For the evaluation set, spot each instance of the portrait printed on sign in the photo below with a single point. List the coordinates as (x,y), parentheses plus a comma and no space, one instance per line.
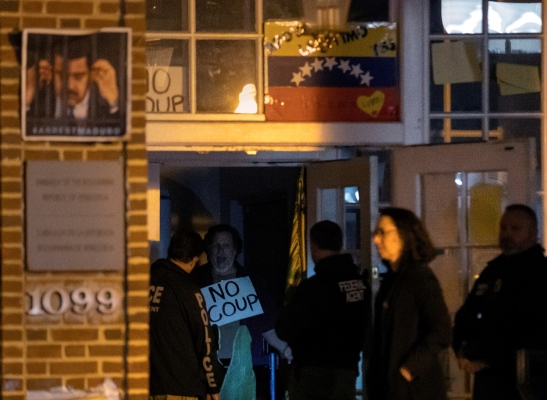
(231,300)
(75,86)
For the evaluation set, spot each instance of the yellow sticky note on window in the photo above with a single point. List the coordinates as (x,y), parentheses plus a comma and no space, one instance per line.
(455,62)
(517,78)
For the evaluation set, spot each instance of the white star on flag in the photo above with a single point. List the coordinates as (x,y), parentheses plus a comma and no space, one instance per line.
(330,63)
(356,70)
(365,79)
(317,65)
(344,65)
(306,70)
(297,78)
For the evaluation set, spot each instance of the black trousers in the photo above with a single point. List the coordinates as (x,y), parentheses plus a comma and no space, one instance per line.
(495,384)
(322,383)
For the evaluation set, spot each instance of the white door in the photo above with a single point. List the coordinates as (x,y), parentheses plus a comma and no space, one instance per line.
(460,191)
(346,191)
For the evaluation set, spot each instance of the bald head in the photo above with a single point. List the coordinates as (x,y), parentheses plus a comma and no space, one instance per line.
(518,229)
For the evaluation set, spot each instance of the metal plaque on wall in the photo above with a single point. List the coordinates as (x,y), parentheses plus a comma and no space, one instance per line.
(75,216)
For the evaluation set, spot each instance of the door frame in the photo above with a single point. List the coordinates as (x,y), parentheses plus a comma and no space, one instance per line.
(411,164)
(339,174)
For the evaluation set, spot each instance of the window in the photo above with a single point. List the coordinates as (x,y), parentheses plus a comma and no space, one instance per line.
(205,58)
(485,70)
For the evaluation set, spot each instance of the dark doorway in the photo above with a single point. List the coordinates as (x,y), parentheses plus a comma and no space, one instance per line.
(265,196)
(257,201)
(267,240)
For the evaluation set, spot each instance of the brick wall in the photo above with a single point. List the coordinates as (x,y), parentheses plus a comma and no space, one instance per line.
(38,353)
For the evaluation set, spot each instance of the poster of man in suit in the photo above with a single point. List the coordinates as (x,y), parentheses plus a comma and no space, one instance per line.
(76,85)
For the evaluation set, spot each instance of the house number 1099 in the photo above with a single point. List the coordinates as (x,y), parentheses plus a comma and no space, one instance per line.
(57,301)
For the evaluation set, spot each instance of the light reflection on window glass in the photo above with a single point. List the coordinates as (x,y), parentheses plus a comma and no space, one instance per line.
(352,219)
(515,46)
(465,16)
(351,195)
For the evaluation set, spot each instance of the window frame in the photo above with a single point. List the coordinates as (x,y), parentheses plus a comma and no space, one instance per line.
(484,37)
(232,132)
(192,36)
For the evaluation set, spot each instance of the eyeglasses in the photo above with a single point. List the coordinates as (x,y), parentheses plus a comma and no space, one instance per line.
(380,232)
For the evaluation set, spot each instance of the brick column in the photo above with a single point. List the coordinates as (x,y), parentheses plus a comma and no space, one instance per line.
(38,354)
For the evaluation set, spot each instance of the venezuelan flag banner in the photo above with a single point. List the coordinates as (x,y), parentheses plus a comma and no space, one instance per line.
(349,76)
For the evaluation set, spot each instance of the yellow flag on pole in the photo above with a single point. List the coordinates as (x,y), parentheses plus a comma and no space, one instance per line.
(297,256)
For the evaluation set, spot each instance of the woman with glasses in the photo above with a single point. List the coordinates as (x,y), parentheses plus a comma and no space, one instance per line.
(411,320)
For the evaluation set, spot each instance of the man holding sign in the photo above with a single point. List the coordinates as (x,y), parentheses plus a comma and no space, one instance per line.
(326,320)
(242,301)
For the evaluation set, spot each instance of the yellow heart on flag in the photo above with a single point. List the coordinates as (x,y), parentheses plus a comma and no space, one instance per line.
(372,105)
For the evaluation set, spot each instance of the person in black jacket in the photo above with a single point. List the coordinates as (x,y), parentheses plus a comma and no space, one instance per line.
(183,359)
(506,310)
(325,321)
(411,321)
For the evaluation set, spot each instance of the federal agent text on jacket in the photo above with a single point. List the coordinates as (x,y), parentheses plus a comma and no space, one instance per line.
(326,320)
